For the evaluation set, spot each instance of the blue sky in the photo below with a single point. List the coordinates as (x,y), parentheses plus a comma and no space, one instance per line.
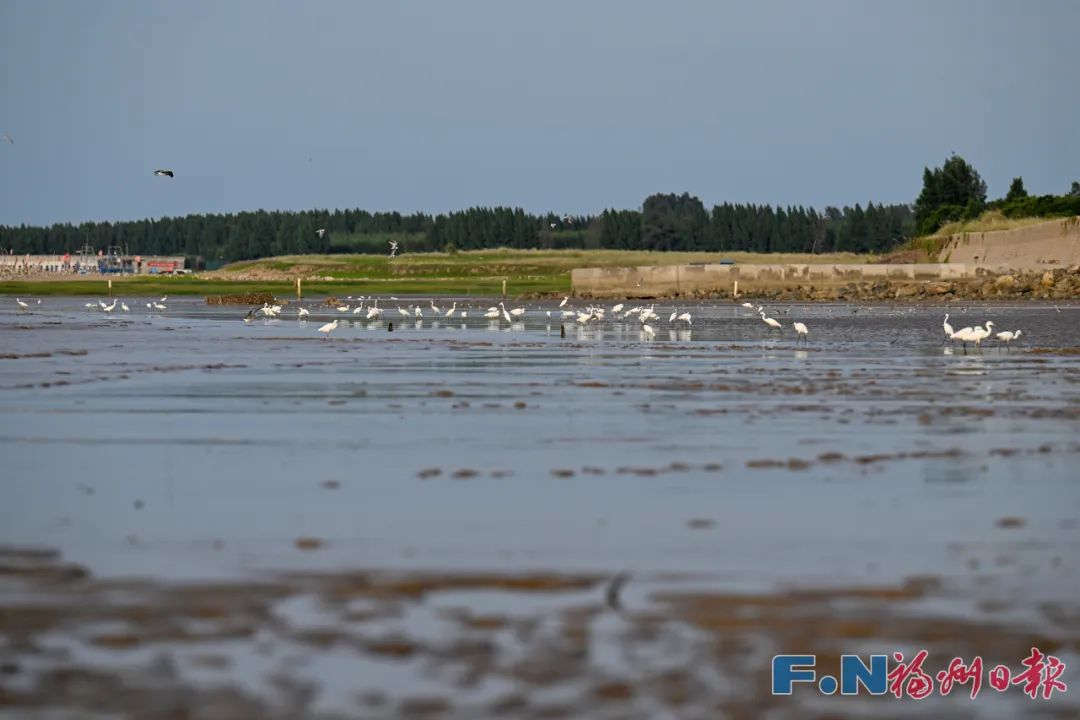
(555,105)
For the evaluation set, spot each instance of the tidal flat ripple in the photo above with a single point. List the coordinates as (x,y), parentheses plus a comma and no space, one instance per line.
(210,519)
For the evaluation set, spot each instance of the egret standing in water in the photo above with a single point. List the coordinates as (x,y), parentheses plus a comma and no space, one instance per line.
(771,322)
(1008,336)
(329,328)
(947,328)
(802,330)
(22,305)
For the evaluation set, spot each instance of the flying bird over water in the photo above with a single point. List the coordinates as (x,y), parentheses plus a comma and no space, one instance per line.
(163,173)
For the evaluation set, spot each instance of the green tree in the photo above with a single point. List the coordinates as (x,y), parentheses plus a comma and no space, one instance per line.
(1075,191)
(956,184)
(1016,190)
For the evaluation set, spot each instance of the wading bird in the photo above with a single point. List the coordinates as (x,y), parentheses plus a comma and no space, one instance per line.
(947,327)
(452,310)
(771,322)
(21,304)
(685,317)
(1008,336)
(110,308)
(163,173)
(302,313)
(617,308)
(159,306)
(564,301)
(250,315)
(124,307)
(802,330)
(329,328)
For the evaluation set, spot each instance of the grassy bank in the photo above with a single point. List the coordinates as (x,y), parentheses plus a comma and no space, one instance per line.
(466,273)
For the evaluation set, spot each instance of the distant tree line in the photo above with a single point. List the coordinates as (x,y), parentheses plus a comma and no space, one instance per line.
(956,191)
(665,222)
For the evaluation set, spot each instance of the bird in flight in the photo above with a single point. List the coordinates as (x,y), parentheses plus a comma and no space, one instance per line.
(8,138)
(163,173)
(393,248)
(320,232)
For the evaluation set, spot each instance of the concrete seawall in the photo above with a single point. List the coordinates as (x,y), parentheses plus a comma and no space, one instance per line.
(1051,245)
(659,280)
(1055,243)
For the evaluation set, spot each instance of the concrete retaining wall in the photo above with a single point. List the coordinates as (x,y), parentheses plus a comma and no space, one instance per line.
(677,279)
(1055,243)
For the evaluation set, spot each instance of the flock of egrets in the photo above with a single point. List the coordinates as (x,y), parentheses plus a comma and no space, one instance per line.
(646,316)
(592,314)
(977,334)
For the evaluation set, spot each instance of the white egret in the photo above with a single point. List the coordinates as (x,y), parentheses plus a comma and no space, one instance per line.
(617,308)
(517,312)
(464,314)
(802,330)
(492,313)
(748,305)
(374,311)
(980,333)
(452,310)
(564,301)
(947,327)
(358,309)
(685,317)
(164,298)
(124,307)
(402,312)
(343,308)
(434,307)
(302,313)
(674,314)
(159,306)
(22,305)
(649,331)
(329,327)
(1008,336)
(419,313)
(505,313)
(771,322)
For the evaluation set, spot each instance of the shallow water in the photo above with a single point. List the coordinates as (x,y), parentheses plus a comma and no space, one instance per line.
(717,464)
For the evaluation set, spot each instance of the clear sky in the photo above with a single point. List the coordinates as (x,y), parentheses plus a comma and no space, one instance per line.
(562,105)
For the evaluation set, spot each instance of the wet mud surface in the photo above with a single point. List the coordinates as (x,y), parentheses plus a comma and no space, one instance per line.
(201,518)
